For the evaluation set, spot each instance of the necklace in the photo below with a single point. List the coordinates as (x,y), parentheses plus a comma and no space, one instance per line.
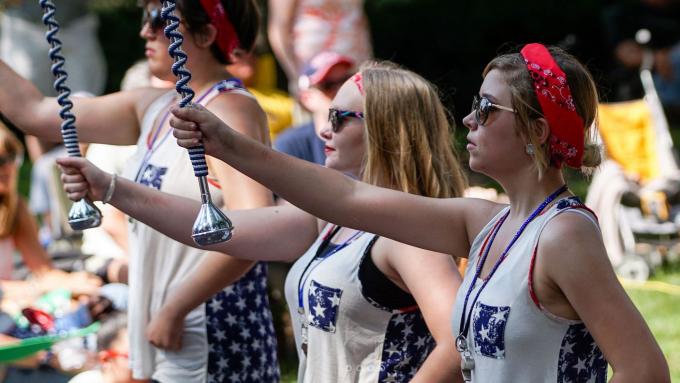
(468,362)
(325,246)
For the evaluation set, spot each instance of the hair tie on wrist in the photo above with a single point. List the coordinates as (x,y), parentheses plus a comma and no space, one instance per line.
(110,190)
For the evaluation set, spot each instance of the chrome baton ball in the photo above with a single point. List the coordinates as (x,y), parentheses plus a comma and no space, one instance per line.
(211,225)
(83,214)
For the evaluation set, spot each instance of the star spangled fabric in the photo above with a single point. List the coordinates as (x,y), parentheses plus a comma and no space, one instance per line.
(580,358)
(241,338)
(512,337)
(406,346)
(352,339)
(489,327)
(324,302)
(152,176)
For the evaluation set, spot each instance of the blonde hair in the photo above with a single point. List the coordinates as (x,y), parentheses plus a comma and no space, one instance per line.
(9,202)
(528,109)
(409,137)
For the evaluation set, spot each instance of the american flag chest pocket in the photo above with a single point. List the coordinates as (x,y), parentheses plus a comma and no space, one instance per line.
(489,329)
(324,303)
(152,176)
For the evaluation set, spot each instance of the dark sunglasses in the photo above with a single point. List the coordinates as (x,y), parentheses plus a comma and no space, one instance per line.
(482,107)
(337,118)
(154,18)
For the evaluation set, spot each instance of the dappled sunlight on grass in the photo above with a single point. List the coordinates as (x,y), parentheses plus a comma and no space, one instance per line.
(662,313)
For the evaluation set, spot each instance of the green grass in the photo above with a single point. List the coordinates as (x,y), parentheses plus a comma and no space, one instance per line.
(662,313)
(289,376)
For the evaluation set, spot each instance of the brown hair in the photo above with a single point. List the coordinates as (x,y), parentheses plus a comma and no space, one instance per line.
(9,202)
(409,137)
(528,109)
(244,15)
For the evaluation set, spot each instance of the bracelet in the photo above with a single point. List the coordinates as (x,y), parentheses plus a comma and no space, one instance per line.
(110,190)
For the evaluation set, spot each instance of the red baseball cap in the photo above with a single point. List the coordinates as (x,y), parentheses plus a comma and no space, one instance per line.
(316,69)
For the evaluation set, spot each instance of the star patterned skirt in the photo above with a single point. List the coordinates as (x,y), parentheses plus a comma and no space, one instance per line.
(241,337)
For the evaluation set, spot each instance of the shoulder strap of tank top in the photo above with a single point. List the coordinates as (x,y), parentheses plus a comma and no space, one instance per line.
(479,243)
(327,230)
(232,85)
(570,204)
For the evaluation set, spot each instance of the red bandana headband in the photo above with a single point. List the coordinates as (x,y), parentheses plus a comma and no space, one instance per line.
(227,39)
(554,96)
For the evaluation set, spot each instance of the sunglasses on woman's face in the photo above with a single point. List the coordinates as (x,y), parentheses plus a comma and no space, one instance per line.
(337,118)
(154,18)
(482,107)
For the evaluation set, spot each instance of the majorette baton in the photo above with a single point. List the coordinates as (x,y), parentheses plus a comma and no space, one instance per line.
(83,214)
(211,225)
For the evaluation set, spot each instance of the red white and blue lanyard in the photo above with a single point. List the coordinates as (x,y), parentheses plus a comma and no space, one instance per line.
(319,251)
(466,319)
(151,149)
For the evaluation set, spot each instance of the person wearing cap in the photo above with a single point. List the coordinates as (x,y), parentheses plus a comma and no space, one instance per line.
(298,30)
(321,78)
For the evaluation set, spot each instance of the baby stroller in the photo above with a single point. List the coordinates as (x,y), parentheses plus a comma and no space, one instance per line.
(636,192)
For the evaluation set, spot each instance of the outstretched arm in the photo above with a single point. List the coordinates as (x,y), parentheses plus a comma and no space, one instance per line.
(443,225)
(288,230)
(112,119)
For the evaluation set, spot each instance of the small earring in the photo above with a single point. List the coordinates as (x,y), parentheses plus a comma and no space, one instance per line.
(530,149)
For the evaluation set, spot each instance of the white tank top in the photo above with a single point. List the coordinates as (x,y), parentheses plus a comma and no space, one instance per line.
(350,338)
(512,338)
(159,264)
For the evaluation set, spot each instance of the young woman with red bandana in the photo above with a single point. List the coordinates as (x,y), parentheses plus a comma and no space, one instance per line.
(540,301)
(214,341)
